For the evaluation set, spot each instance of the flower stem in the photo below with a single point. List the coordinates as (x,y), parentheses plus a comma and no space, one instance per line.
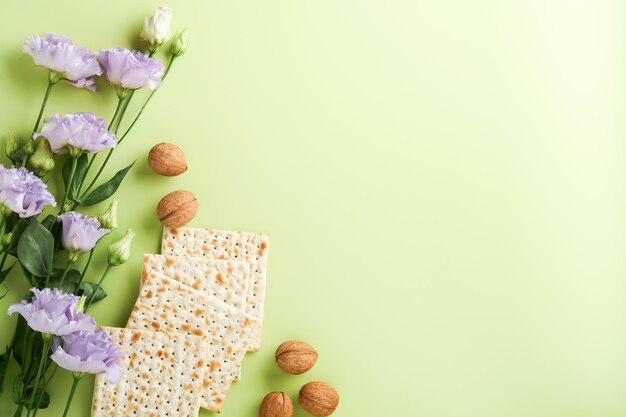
(93,158)
(71,397)
(43,106)
(82,276)
(106,160)
(169,65)
(47,339)
(93,295)
(18,412)
(117,110)
(68,186)
(65,271)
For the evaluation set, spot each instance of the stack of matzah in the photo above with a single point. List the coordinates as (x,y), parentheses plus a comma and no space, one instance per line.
(199,311)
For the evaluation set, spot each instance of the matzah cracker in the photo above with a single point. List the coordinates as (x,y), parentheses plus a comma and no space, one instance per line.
(165,304)
(160,376)
(218,244)
(225,280)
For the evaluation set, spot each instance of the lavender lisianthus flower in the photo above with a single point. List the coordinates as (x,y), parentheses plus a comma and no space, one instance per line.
(83,131)
(22,192)
(57,53)
(80,233)
(53,312)
(88,353)
(130,69)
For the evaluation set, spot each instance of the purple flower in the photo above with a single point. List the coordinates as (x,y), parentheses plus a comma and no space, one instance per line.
(130,69)
(23,192)
(57,53)
(53,312)
(88,352)
(82,131)
(80,233)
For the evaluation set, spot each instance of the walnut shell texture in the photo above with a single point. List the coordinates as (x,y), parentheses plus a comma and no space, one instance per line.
(295,357)
(167,159)
(276,404)
(319,398)
(177,208)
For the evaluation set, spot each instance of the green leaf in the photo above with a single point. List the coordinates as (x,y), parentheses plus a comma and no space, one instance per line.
(87,289)
(22,333)
(49,221)
(79,174)
(36,249)
(70,283)
(4,363)
(42,399)
(17,226)
(3,274)
(107,189)
(17,389)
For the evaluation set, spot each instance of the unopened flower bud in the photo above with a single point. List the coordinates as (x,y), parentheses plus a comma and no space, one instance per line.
(180,43)
(41,161)
(108,219)
(11,146)
(119,252)
(156,28)
(29,147)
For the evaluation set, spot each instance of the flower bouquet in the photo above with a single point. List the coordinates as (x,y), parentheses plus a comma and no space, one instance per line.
(45,236)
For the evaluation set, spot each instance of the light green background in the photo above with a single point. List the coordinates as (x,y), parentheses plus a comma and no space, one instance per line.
(444,183)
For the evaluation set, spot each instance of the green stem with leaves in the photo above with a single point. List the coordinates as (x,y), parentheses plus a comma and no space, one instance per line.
(167,69)
(106,160)
(111,124)
(132,124)
(47,340)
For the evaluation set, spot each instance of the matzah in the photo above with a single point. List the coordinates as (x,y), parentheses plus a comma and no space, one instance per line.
(160,376)
(225,280)
(165,304)
(218,244)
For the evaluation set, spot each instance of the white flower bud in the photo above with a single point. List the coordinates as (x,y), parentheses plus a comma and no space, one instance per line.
(156,28)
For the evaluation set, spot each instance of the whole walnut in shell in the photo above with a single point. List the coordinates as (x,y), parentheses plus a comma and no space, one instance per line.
(167,159)
(295,357)
(318,398)
(177,208)
(276,404)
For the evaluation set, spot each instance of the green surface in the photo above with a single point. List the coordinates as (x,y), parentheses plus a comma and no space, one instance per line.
(443,182)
